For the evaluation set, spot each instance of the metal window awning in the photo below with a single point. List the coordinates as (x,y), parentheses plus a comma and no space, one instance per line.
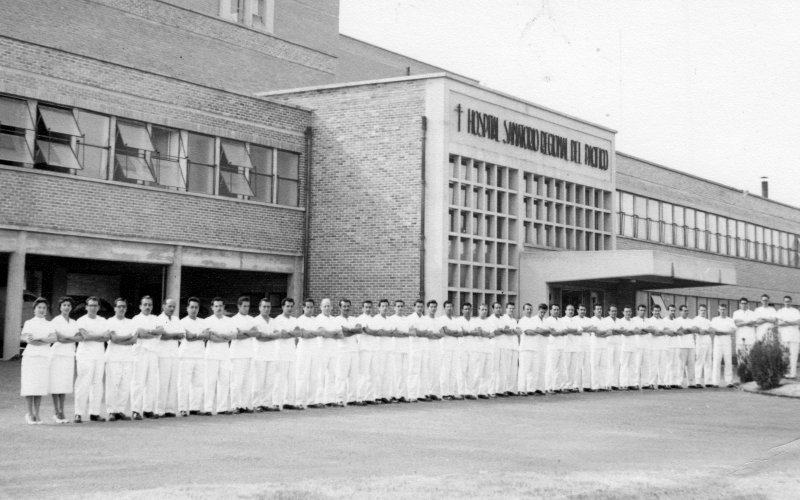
(14,148)
(235,154)
(235,183)
(134,168)
(645,269)
(135,136)
(15,113)
(59,121)
(56,154)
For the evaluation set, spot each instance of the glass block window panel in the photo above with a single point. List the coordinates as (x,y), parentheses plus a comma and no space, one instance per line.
(59,121)
(56,154)
(14,148)
(133,168)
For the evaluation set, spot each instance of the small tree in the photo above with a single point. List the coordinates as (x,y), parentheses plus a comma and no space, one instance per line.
(767,361)
(744,369)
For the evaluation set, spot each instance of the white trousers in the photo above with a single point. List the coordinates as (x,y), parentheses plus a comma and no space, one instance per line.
(118,386)
(723,352)
(309,382)
(587,371)
(434,371)
(368,375)
(649,367)
(414,374)
(424,373)
(703,363)
(89,386)
(630,368)
(601,367)
(574,361)
(390,368)
(506,369)
(532,373)
(685,366)
(615,364)
(401,375)
(285,386)
(558,370)
(167,401)
(347,377)
(477,375)
(451,374)
(218,385)
(794,349)
(265,375)
(665,365)
(326,390)
(191,378)
(144,389)
(242,382)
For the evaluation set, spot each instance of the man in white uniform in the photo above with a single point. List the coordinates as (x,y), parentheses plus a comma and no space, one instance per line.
(471,352)
(241,351)
(167,401)
(119,362)
(686,350)
(329,332)
(220,331)
(90,357)
(601,366)
(191,371)
(388,360)
(534,337)
(435,338)
(508,354)
(745,321)
(265,360)
(789,329)
(613,329)
(285,331)
(417,346)
(402,352)
(723,328)
(654,325)
(450,378)
(378,327)
(557,379)
(308,361)
(347,369)
(701,326)
(367,347)
(766,318)
(664,352)
(573,349)
(635,342)
(587,328)
(144,389)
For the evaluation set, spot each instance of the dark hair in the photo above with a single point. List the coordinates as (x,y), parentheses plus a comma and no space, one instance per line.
(511,304)
(69,300)
(743,299)
(287,300)
(683,308)
(264,300)
(308,301)
(428,304)
(702,305)
(92,298)
(192,299)
(120,299)
(41,300)
(366,302)
(143,298)
(217,299)
(543,307)
(399,301)
(383,301)
(343,302)
(419,301)
(496,304)
(764,295)
(466,304)
(444,304)
(241,300)
(787,297)
(641,306)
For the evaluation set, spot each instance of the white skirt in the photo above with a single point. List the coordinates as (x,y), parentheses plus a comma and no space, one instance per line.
(62,374)
(35,380)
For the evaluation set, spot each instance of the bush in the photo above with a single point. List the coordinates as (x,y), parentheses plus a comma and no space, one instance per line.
(742,362)
(767,363)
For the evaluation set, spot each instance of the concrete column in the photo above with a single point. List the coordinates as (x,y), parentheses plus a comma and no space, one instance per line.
(14,290)
(294,285)
(174,275)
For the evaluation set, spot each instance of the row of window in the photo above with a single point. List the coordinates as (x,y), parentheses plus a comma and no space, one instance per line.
(479,172)
(88,144)
(661,222)
(257,14)
(567,192)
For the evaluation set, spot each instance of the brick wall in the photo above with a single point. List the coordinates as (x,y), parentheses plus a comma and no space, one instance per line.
(641,177)
(168,40)
(366,194)
(35,199)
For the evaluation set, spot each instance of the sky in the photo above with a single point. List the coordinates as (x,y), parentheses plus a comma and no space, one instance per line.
(711,88)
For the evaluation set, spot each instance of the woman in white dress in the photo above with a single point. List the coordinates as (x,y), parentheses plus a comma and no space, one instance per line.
(62,362)
(38,333)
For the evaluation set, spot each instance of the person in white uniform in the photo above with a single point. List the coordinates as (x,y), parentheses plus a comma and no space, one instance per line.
(377,328)
(613,329)
(168,365)
(508,353)
(417,346)
(367,347)
(347,369)
(701,326)
(573,349)
(307,367)
(388,357)
(557,357)
(686,350)
(144,389)
(242,350)
(220,331)
(789,329)
(745,321)
(675,371)
(428,330)
(654,325)
(191,366)
(470,352)
(435,338)
(664,353)
(90,358)
(534,337)
(119,361)
(265,360)
(766,318)
(601,356)
(450,375)
(723,328)
(329,332)
(38,334)
(62,361)
(285,331)
(402,351)
(634,342)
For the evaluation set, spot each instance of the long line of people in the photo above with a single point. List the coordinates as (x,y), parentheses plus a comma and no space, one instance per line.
(157,366)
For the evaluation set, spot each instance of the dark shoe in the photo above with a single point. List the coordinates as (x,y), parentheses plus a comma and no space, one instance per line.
(730,386)
(149,414)
(483,396)
(357,403)
(122,416)
(206,414)
(96,418)
(471,397)
(78,419)
(169,415)
(501,395)
(458,398)
(136,415)
(194,412)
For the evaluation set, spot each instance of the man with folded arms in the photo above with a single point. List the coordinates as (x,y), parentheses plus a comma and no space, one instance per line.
(788,321)
(378,327)
(369,375)
(191,371)
(144,389)
(428,329)
(418,345)
(329,332)
(573,349)
(613,329)
(402,351)
(167,401)
(534,337)
(90,357)
(241,351)
(265,360)
(722,328)
(686,349)
(701,326)
(507,349)
(308,365)
(285,331)
(450,375)
(766,318)
(745,321)
(653,328)
(664,351)
(347,369)
(557,379)
(601,360)
(119,361)
(634,331)
(220,330)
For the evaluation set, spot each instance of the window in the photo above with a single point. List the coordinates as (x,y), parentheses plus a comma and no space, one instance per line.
(654,220)
(234,168)
(741,240)
(722,229)
(669,229)
(15,120)
(288,172)
(167,158)
(261,177)
(680,226)
(133,144)
(93,147)
(200,165)
(712,233)
(640,211)
(56,136)
(702,235)
(626,211)
(690,229)
(252,13)
(751,241)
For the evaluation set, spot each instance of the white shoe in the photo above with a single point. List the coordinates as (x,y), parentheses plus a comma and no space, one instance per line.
(29,419)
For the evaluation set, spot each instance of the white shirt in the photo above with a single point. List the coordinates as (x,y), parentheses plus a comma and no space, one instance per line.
(427,324)
(218,350)
(609,324)
(39,329)
(647,341)
(573,342)
(308,324)
(508,341)
(67,327)
(91,350)
(265,350)
(765,313)
(685,340)
(630,343)
(192,349)
(703,339)
(169,348)
(600,324)
(149,322)
(286,347)
(666,341)
(534,342)
(371,342)
(555,325)
(349,343)
(401,324)
(474,343)
(243,348)
(721,324)
(417,343)
(327,345)
(748,333)
(123,328)
(789,333)
(448,342)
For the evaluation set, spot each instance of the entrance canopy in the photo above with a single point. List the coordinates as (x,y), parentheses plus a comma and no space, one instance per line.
(643,269)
